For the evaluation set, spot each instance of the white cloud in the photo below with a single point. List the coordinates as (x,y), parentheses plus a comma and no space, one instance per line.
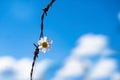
(90,45)
(116,76)
(103,69)
(72,68)
(6,62)
(107,52)
(22,67)
(78,62)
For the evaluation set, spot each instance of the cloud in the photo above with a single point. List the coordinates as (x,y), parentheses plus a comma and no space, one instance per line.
(79,64)
(116,76)
(20,69)
(103,69)
(91,45)
(72,68)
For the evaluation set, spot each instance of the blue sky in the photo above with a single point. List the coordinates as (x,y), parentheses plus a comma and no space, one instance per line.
(66,24)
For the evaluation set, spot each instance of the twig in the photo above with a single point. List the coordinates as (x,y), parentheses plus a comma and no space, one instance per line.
(36,52)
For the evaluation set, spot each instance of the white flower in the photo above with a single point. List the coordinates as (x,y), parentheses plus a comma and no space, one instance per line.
(44,44)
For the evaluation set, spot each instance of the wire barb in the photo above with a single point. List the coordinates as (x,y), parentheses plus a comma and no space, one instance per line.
(45,10)
(36,52)
(47,7)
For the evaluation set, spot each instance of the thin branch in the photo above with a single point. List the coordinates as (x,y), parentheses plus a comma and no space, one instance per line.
(36,52)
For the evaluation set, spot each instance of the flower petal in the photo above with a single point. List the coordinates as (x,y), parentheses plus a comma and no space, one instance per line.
(45,38)
(50,41)
(41,40)
(44,50)
(40,47)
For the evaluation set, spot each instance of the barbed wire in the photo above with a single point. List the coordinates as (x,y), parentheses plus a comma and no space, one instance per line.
(45,10)
(36,52)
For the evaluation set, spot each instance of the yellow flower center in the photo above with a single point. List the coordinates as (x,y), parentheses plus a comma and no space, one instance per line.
(44,44)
